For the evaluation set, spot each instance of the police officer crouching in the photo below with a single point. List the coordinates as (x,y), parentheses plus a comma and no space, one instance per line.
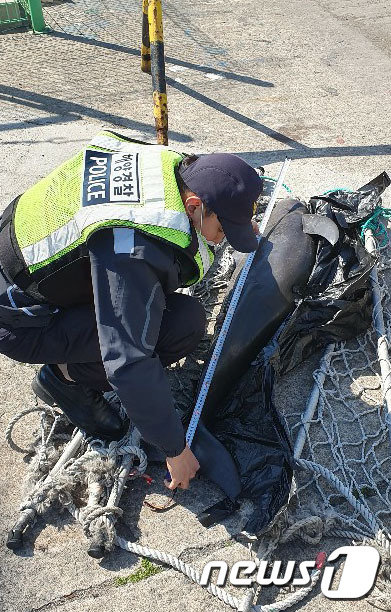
(90,259)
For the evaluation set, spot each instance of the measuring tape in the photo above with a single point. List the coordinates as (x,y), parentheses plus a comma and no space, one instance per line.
(230,313)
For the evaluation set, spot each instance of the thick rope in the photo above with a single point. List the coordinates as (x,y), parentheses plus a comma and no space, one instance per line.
(16,419)
(293,598)
(310,529)
(94,518)
(382,537)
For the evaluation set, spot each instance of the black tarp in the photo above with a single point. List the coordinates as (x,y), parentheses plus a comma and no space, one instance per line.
(334,304)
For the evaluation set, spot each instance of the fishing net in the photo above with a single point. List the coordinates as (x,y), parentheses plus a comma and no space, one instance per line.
(348,432)
(342,485)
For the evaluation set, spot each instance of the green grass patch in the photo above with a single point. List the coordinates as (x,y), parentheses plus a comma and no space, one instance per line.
(365,492)
(146,570)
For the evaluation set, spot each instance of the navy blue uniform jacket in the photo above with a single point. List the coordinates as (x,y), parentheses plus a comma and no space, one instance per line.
(131,275)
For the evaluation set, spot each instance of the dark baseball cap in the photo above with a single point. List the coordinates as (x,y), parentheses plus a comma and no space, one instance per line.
(228,186)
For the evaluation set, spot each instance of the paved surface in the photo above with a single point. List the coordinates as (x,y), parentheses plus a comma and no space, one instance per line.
(309,79)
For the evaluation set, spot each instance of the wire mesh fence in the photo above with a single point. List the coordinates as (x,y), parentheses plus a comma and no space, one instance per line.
(22,13)
(12,15)
(120,23)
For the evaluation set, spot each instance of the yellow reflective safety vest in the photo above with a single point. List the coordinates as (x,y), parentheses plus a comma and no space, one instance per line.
(113,182)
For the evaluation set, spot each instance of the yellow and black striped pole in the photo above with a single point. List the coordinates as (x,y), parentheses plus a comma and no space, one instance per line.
(145,44)
(154,62)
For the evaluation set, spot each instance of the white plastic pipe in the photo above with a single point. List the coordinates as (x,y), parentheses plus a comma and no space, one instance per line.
(379,327)
(70,450)
(312,402)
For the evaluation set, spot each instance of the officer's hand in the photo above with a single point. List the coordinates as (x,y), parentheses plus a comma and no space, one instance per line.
(182,469)
(255,227)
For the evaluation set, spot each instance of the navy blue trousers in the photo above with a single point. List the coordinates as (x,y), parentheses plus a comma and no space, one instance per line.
(72,338)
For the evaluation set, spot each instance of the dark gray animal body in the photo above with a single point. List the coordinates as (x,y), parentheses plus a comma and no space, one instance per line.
(282,264)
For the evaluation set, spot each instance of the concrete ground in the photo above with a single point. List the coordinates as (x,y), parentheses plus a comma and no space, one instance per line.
(309,79)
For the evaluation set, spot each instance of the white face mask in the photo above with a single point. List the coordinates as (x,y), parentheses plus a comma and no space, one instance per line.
(209,242)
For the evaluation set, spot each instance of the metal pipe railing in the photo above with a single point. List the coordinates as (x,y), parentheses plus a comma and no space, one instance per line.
(153,62)
(380,330)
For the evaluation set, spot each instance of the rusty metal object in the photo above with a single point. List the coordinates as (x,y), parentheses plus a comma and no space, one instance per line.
(145,43)
(155,18)
(160,112)
(170,503)
(152,61)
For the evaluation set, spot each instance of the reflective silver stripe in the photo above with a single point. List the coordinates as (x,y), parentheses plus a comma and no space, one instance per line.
(113,144)
(27,311)
(52,244)
(110,142)
(11,299)
(171,219)
(69,233)
(152,183)
(14,306)
(204,252)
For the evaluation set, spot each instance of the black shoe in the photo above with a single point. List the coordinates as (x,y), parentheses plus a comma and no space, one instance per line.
(84,407)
